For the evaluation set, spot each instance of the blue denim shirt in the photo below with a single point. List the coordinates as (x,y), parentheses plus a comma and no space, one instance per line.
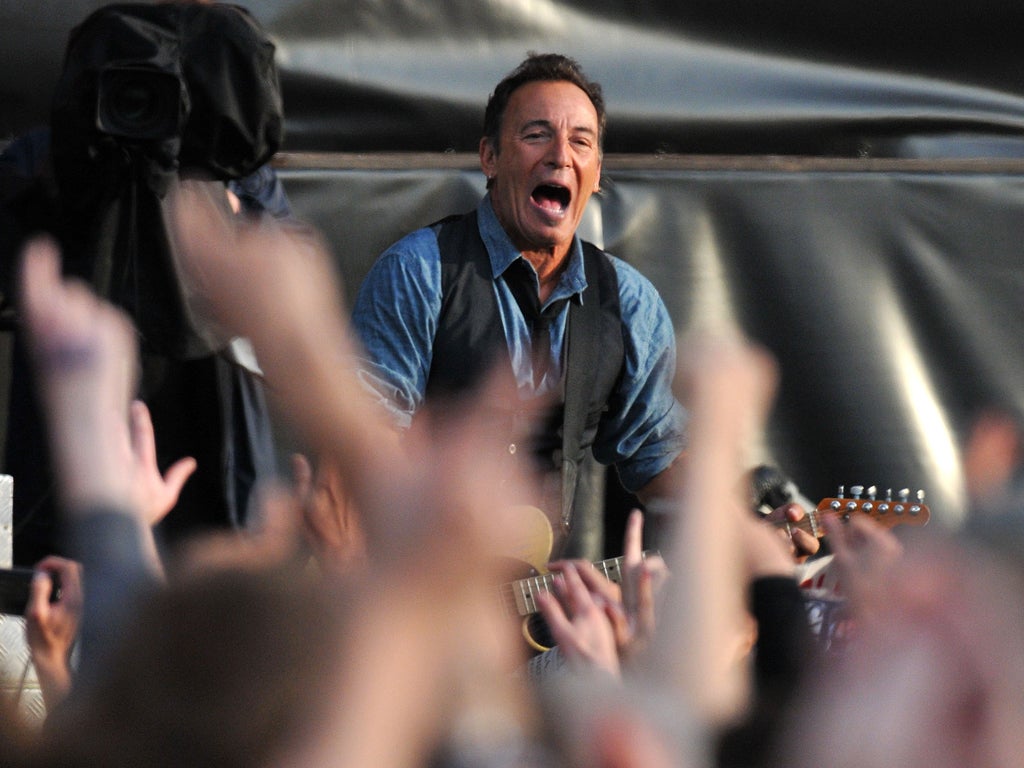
(396,317)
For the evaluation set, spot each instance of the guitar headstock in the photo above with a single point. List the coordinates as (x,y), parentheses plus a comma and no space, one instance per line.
(882,508)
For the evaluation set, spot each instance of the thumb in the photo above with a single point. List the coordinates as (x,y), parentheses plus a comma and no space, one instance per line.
(39,593)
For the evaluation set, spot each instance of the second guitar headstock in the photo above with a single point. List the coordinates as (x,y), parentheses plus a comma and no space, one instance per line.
(884,508)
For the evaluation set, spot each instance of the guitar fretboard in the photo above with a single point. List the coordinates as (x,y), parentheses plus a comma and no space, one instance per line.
(519,597)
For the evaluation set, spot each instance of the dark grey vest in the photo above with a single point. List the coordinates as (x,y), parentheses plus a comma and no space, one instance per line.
(470,340)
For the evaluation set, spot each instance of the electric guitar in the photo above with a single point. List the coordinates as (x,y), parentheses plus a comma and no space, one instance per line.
(519,596)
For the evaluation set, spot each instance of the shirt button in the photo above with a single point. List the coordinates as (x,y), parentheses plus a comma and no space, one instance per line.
(511,447)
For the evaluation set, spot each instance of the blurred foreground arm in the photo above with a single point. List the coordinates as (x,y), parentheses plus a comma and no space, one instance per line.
(85,359)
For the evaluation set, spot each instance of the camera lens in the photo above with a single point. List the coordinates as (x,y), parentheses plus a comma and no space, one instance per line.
(139,103)
(136,104)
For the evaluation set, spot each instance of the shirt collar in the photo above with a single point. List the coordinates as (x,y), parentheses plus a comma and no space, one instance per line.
(502,253)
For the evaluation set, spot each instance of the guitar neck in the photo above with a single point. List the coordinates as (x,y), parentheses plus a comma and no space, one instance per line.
(519,597)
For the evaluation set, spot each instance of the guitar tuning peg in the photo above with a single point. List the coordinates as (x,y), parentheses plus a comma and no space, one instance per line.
(904,494)
(872,492)
(840,493)
(856,490)
(888,494)
(920,496)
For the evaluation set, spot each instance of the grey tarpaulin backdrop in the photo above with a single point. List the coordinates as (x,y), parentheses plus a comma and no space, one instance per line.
(850,77)
(890,291)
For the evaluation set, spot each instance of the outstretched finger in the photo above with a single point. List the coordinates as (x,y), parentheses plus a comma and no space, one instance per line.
(175,478)
(573,590)
(632,559)
(143,436)
(157,494)
(40,589)
(40,279)
(644,617)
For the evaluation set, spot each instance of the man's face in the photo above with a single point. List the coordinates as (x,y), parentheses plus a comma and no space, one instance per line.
(548,164)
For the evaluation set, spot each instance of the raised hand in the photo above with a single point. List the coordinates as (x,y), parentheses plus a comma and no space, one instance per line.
(155,493)
(728,386)
(331,522)
(865,556)
(642,581)
(85,356)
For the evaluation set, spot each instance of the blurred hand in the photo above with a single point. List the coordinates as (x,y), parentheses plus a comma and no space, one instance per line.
(582,620)
(802,543)
(51,627)
(865,554)
(85,357)
(155,494)
(330,518)
(642,581)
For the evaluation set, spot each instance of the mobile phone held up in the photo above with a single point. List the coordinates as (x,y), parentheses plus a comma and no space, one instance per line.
(15,585)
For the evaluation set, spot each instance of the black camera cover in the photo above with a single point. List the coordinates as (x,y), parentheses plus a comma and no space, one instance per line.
(146,89)
(148,94)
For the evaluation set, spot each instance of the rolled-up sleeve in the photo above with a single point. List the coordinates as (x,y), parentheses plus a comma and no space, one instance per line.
(395,317)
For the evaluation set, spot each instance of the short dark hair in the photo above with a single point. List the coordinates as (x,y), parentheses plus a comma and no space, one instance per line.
(541,67)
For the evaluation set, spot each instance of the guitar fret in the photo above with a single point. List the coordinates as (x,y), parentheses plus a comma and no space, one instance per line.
(524,595)
(534,586)
(812,518)
(540,584)
(533,593)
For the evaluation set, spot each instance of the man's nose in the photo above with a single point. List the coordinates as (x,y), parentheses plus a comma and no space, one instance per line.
(560,152)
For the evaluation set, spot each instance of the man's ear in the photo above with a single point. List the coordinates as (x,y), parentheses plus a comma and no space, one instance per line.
(488,157)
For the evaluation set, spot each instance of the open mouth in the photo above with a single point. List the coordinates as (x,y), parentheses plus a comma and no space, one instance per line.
(551,197)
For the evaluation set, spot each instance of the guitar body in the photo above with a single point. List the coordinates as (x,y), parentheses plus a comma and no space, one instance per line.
(531,544)
(528,555)
(536,633)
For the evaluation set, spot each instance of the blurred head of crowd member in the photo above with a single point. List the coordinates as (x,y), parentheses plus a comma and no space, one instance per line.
(222,669)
